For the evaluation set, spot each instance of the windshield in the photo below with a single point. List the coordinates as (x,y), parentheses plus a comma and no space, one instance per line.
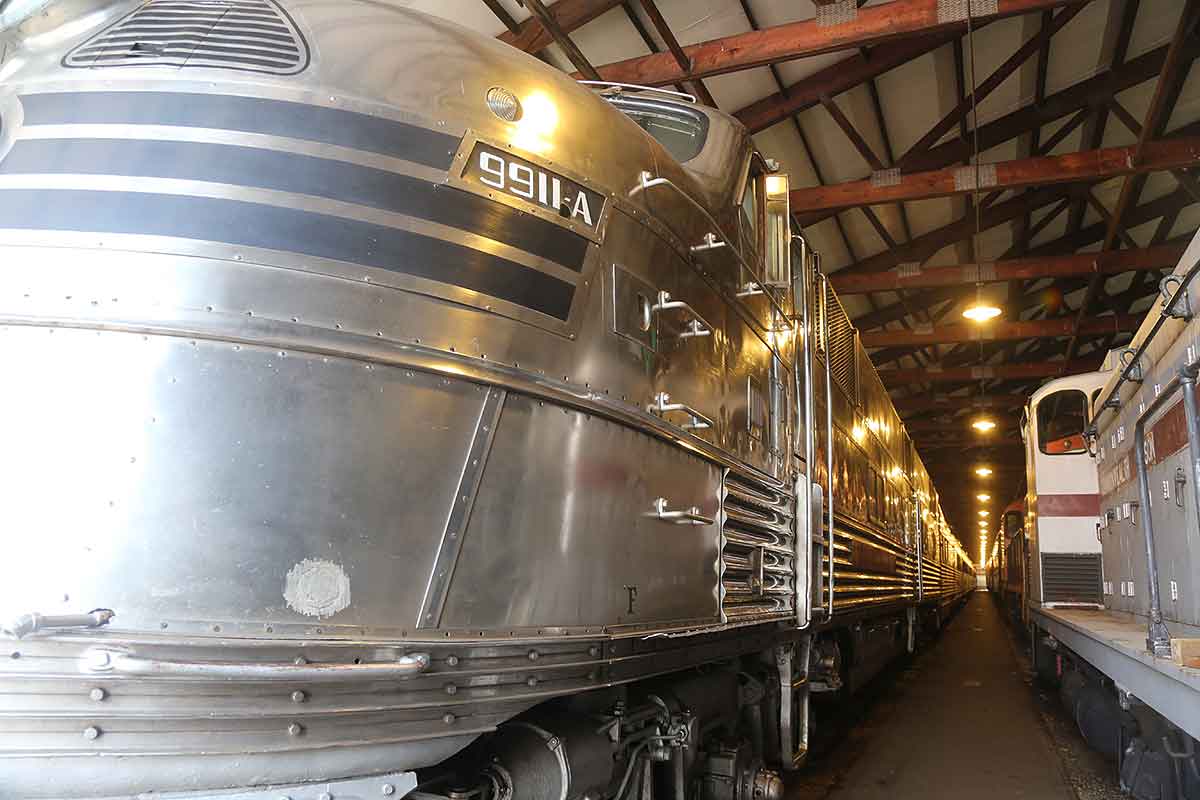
(680,130)
(1061,420)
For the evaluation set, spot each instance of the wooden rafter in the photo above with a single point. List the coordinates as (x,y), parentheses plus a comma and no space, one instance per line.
(1091,165)
(1161,104)
(1032,369)
(531,37)
(805,38)
(562,38)
(999,331)
(1025,269)
(1084,94)
(838,78)
(668,36)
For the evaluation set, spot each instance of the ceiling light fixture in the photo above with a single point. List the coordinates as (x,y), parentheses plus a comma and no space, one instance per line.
(983,497)
(983,472)
(984,425)
(982,312)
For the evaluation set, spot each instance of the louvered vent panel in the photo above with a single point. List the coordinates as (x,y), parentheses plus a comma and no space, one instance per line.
(250,35)
(758,557)
(841,345)
(1071,578)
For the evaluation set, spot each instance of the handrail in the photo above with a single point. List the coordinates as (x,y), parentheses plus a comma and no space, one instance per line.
(698,326)
(1188,380)
(648,181)
(813,500)
(688,516)
(1159,638)
(920,530)
(34,622)
(637,87)
(662,405)
(1135,362)
(123,663)
(828,441)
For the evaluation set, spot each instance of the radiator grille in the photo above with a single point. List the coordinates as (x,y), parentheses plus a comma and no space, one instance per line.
(250,35)
(841,345)
(758,557)
(1071,578)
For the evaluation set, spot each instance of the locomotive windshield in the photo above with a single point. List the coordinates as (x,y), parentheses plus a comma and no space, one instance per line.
(680,130)
(1061,420)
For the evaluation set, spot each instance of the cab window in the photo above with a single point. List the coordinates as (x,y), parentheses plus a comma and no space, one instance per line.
(751,197)
(681,130)
(1061,421)
(1012,523)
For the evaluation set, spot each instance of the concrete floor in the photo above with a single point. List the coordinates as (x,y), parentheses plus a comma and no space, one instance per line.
(962,721)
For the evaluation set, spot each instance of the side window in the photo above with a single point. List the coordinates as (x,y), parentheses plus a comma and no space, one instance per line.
(1012,523)
(751,214)
(1061,420)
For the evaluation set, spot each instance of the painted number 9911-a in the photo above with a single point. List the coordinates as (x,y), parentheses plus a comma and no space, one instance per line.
(514,175)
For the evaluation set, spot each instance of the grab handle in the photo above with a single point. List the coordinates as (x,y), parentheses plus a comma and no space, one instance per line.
(662,405)
(696,325)
(121,663)
(34,622)
(688,516)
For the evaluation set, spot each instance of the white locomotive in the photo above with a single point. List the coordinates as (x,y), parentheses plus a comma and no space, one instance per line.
(1111,545)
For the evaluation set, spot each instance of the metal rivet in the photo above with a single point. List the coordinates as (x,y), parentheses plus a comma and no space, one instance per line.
(593,651)
(97,694)
(295,729)
(324,796)
(452,660)
(451,688)
(448,719)
(531,682)
(299,660)
(387,789)
(534,655)
(299,696)
(91,732)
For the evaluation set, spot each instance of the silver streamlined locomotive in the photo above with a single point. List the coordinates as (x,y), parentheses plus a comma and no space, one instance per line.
(380,400)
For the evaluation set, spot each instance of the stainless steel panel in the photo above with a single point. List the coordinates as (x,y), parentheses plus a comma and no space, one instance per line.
(177,480)
(561,532)
(632,307)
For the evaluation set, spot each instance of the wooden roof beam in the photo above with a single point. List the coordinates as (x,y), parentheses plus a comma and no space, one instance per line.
(1033,369)
(1025,269)
(538,9)
(806,38)
(999,331)
(841,77)
(1089,93)
(928,244)
(668,36)
(934,402)
(1166,93)
(1091,165)
(569,15)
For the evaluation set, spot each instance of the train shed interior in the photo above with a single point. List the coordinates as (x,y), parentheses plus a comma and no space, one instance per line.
(1030,161)
(881,131)
(351,468)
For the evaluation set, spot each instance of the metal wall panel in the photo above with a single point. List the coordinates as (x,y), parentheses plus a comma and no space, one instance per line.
(562,531)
